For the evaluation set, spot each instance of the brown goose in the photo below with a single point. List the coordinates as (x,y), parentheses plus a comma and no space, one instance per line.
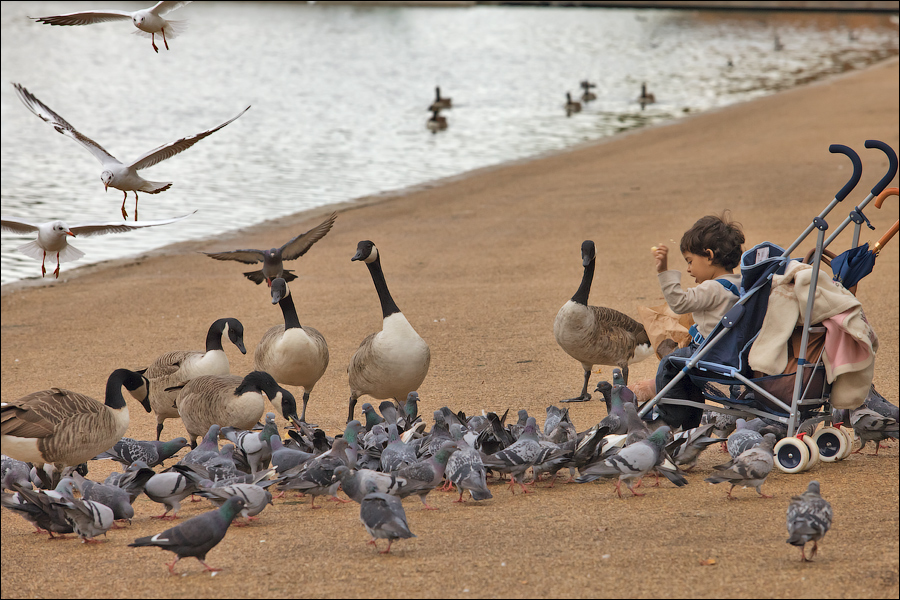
(595,335)
(572,106)
(65,428)
(392,362)
(646,97)
(292,353)
(440,103)
(180,366)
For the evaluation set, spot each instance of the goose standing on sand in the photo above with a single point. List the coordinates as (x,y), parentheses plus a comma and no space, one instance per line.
(273,259)
(597,335)
(180,366)
(572,106)
(230,401)
(392,362)
(65,428)
(439,102)
(645,98)
(292,353)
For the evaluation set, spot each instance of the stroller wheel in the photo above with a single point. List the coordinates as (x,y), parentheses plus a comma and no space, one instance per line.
(851,437)
(813,450)
(791,455)
(832,442)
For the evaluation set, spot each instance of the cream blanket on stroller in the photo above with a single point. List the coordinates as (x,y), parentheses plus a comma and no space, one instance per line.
(850,343)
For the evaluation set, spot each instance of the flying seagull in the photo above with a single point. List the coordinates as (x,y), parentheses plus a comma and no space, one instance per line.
(149,21)
(115,174)
(53,236)
(272,260)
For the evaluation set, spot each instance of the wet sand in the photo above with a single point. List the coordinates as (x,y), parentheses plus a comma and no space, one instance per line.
(480,265)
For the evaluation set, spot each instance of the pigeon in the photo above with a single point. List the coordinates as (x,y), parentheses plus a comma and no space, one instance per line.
(196,536)
(315,476)
(149,21)
(630,463)
(37,506)
(15,471)
(222,467)
(384,518)
(272,260)
(205,450)
(87,518)
(518,457)
(169,489)
(870,426)
(426,474)
(615,420)
(749,468)
(128,451)
(132,480)
(879,404)
(356,483)
(372,416)
(255,497)
(397,454)
(742,438)
(112,496)
(253,448)
(466,469)
(284,458)
(808,520)
(115,174)
(696,440)
(53,236)
(723,424)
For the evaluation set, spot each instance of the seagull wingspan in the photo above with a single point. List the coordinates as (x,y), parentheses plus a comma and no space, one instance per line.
(17,225)
(89,229)
(45,113)
(88,17)
(248,257)
(160,154)
(161,8)
(298,246)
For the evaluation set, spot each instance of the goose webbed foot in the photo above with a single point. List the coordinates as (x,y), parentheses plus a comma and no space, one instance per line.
(582,398)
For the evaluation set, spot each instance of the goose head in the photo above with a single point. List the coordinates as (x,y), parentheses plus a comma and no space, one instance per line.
(136,384)
(366,252)
(280,290)
(235,330)
(588,252)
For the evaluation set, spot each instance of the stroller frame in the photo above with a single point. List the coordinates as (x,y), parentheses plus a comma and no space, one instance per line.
(727,374)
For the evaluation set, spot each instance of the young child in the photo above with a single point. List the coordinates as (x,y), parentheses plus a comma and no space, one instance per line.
(712,249)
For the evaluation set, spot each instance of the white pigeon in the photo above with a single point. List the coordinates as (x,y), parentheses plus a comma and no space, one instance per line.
(149,21)
(53,236)
(115,174)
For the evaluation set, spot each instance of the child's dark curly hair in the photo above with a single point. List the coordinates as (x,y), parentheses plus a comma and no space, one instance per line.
(719,234)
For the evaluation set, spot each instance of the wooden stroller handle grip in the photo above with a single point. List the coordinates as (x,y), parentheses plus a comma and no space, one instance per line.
(886,237)
(884,194)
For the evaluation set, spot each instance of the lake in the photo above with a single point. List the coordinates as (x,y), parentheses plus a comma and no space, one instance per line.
(339,98)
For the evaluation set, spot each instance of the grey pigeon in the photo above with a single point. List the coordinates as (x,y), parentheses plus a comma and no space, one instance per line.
(723,424)
(128,450)
(466,469)
(273,259)
(808,520)
(255,497)
(879,404)
(389,412)
(384,518)
(372,416)
(356,483)
(519,457)
(870,426)
(222,467)
(37,506)
(615,421)
(636,430)
(15,471)
(112,496)
(253,447)
(411,409)
(132,480)
(742,438)
(748,469)
(87,517)
(284,458)
(196,536)
(630,463)
(169,489)
(207,449)
(696,440)
(315,476)
(397,454)
(426,474)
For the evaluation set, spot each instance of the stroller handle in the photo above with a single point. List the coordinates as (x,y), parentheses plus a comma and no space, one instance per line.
(892,168)
(857,167)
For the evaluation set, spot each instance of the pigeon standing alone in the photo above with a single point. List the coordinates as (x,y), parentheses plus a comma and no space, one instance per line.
(384,518)
(808,520)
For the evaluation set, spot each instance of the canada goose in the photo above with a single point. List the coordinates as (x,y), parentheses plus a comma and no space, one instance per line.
(392,362)
(293,354)
(645,98)
(436,122)
(588,95)
(180,366)
(440,103)
(597,335)
(272,260)
(571,105)
(230,401)
(65,428)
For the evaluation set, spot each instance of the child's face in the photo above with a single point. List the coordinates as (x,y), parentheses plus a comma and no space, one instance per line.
(699,267)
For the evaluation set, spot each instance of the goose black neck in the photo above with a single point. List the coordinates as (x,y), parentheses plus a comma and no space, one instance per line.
(119,377)
(584,290)
(291,319)
(214,335)
(388,306)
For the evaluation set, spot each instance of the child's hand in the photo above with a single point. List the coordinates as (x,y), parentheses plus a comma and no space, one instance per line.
(661,254)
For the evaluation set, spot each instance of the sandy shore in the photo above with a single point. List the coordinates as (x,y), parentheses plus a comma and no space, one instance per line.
(480,265)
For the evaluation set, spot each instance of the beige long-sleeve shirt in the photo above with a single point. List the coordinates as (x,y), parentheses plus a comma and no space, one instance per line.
(708,302)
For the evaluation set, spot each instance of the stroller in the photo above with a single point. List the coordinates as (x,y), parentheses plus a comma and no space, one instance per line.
(801,396)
